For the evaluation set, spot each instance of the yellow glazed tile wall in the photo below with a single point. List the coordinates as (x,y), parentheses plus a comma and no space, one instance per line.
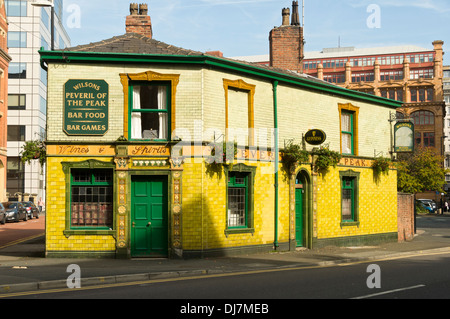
(377,204)
(56,215)
(204,212)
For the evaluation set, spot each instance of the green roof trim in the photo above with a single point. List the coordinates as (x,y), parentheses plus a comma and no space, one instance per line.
(212,61)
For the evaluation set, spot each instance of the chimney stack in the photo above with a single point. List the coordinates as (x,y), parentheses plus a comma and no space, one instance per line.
(295,14)
(287,42)
(286,13)
(139,21)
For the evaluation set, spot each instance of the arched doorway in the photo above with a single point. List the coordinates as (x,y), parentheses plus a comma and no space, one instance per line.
(303,200)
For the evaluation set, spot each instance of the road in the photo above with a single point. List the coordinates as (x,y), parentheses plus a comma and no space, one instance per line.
(421,277)
(415,277)
(11,233)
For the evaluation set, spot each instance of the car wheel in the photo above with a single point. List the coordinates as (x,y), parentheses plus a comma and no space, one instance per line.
(4,220)
(26,217)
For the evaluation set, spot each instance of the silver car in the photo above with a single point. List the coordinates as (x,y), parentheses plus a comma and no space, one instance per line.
(15,211)
(2,214)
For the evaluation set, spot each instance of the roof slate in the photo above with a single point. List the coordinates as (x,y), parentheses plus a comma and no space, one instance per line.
(132,43)
(140,44)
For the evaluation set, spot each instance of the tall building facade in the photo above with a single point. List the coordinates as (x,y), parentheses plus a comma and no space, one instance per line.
(4,63)
(29,31)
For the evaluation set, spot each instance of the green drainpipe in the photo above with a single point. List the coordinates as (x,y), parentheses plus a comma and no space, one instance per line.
(275,118)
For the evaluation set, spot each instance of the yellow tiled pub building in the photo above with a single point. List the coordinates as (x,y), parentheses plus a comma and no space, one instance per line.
(134,126)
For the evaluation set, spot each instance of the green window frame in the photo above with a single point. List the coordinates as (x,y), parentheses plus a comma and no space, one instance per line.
(149,117)
(237,200)
(97,208)
(349,198)
(240,196)
(347,133)
(91,192)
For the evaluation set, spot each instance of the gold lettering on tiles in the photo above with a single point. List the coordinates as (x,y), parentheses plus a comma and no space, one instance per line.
(81,150)
(148,150)
(356,162)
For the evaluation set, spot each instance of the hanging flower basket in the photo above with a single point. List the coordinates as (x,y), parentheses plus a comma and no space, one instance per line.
(33,150)
(325,159)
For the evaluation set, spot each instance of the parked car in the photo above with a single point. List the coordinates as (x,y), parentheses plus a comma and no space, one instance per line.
(32,210)
(15,211)
(431,202)
(2,214)
(425,205)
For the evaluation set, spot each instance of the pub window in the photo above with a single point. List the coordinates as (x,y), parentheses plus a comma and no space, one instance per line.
(150,111)
(237,200)
(240,196)
(347,132)
(348,116)
(349,197)
(91,198)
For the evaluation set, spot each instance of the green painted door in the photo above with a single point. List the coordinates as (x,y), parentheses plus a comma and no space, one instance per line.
(299,216)
(149,214)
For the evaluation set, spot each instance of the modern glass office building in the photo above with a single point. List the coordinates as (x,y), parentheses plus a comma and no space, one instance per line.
(29,30)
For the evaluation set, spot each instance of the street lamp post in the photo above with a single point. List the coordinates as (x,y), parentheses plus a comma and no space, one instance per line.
(51,4)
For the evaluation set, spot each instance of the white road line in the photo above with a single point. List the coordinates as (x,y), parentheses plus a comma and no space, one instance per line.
(389,292)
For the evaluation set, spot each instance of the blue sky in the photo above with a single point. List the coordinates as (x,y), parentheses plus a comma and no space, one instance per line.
(241,27)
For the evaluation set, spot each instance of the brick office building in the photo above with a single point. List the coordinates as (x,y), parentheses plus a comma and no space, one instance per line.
(4,63)
(118,187)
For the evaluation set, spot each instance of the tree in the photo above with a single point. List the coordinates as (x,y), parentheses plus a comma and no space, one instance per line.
(421,172)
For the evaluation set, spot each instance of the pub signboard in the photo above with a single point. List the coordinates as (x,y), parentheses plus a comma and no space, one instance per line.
(315,137)
(86,104)
(404,137)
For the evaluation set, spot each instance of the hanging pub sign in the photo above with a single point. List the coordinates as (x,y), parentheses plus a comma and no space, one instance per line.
(404,137)
(315,137)
(86,107)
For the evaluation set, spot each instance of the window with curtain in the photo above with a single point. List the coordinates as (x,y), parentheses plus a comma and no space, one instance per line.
(92,198)
(349,197)
(237,199)
(347,132)
(150,111)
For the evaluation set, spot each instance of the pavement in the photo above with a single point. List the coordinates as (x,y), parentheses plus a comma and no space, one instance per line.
(23,267)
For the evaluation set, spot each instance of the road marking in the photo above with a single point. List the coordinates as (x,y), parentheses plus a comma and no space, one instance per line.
(389,292)
(20,241)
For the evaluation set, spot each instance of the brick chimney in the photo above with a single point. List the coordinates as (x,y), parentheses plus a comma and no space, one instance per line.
(139,21)
(287,42)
